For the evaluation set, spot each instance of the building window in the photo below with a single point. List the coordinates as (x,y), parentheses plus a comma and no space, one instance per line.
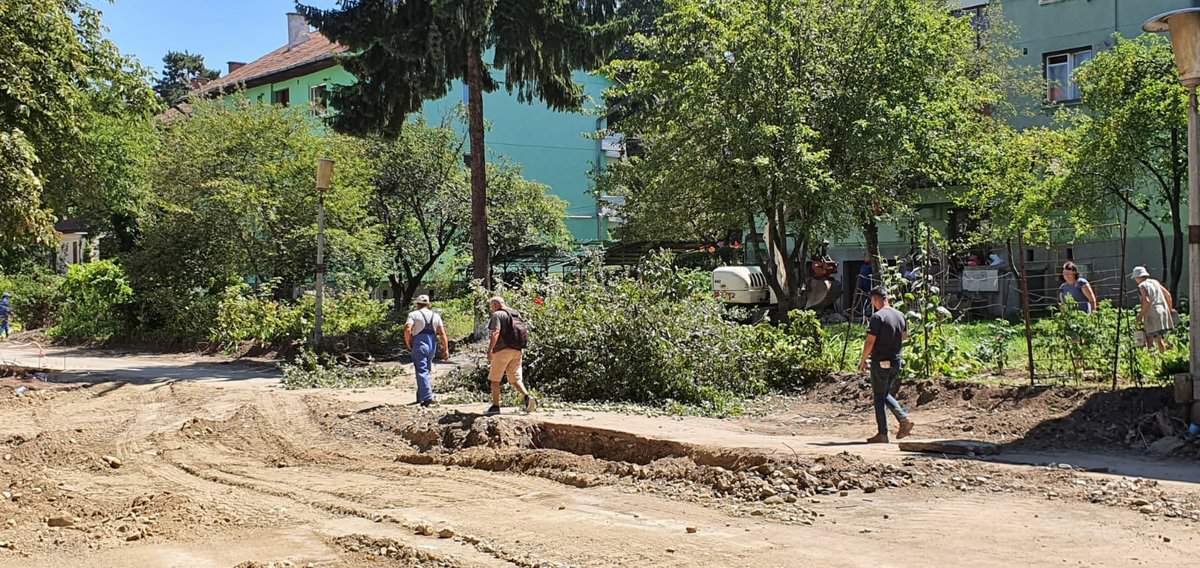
(1060,74)
(281,98)
(318,100)
(979,19)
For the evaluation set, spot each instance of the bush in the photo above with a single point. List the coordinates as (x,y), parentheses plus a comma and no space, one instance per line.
(353,321)
(34,300)
(95,300)
(656,338)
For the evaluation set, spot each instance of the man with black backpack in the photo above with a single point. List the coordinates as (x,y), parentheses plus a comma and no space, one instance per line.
(509,335)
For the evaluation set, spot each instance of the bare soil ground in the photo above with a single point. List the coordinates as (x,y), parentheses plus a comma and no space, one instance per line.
(202,473)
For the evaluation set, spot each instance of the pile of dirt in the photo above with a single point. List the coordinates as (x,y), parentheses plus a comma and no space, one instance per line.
(248,430)
(1030,417)
(368,550)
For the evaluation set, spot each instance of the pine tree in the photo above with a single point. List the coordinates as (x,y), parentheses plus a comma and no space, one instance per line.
(180,69)
(404,52)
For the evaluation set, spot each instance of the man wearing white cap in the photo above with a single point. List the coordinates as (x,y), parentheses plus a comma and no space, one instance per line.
(1156,307)
(422,334)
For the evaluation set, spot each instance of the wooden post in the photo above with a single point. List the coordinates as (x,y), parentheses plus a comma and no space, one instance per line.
(924,311)
(1120,302)
(324,175)
(1024,280)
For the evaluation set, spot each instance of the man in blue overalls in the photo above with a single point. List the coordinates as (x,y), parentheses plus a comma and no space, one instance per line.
(5,311)
(423,332)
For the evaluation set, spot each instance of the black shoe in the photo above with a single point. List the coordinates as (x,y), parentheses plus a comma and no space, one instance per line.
(426,403)
(531,403)
(493,410)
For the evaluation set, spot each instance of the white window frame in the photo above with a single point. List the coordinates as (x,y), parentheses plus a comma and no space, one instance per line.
(312,100)
(1069,60)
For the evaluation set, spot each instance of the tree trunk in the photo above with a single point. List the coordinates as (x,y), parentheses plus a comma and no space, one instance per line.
(1162,237)
(779,264)
(871,233)
(400,296)
(1177,244)
(1178,176)
(481,257)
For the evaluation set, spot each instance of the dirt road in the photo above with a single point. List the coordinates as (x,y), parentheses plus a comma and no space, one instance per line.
(204,470)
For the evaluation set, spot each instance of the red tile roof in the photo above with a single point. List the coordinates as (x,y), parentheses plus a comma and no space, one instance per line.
(317,51)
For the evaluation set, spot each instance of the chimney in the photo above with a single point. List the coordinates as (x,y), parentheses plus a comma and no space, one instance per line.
(235,65)
(297,30)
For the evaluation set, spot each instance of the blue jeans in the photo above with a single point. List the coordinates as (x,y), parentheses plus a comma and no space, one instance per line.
(882,381)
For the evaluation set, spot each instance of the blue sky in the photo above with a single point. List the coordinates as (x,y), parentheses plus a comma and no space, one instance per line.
(220,30)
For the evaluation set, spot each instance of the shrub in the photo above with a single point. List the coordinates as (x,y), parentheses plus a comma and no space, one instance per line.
(657,337)
(95,299)
(993,348)
(353,321)
(34,298)
(243,316)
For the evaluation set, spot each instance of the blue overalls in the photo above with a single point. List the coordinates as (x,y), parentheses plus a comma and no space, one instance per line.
(4,311)
(423,350)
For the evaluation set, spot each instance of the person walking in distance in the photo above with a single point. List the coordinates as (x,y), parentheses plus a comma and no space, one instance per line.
(5,311)
(422,334)
(509,335)
(886,333)
(1156,308)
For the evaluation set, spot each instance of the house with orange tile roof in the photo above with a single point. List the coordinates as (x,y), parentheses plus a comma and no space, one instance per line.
(553,148)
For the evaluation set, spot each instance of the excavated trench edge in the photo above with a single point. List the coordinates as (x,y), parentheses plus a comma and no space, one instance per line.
(614,445)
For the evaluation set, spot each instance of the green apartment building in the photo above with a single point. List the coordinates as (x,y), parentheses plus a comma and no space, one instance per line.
(553,148)
(1055,38)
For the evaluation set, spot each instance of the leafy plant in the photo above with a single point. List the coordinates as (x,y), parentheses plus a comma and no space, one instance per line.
(993,349)
(95,298)
(931,350)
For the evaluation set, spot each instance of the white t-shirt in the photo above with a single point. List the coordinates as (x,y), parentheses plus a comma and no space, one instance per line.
(418,319)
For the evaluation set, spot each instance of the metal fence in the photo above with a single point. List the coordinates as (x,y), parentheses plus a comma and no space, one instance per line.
(1012,292)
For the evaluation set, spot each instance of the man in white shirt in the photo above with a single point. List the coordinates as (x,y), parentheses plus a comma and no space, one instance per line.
(422,334)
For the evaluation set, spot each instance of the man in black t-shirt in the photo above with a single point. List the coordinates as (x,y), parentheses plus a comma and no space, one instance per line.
(886,333)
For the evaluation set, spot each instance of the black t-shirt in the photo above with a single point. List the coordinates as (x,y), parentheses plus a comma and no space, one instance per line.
(501,321)
(887,325)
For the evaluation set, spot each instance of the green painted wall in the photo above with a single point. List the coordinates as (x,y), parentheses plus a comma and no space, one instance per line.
(1051,26)
(551,147)
(1045,27)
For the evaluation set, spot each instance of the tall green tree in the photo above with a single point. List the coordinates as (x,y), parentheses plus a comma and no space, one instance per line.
(906,101)
(728,138)
(65,86)
(1019,185)
(421,204)
(234,200)
(1133,145)
(180,70)
(403,53)
(802,117)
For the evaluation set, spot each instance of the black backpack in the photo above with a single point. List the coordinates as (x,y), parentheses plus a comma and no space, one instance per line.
(516,333)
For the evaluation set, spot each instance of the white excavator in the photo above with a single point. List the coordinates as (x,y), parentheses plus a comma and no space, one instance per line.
(747,285)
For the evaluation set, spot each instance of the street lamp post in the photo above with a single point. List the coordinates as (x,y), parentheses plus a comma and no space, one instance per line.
(324,176)
(1184,28)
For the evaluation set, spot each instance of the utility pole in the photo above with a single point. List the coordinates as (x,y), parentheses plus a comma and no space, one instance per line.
(324,176)
(1184,28)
